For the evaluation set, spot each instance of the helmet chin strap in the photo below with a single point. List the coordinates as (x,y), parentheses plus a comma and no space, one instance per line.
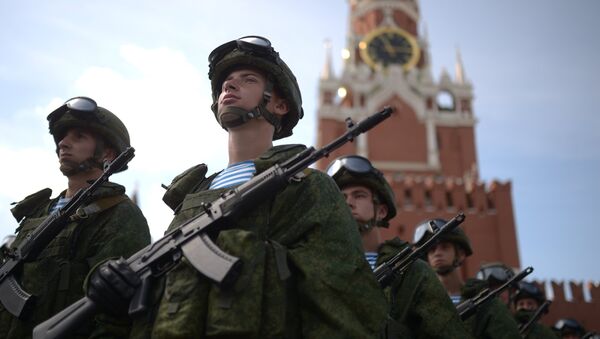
(373,222)
(84,166)
(232,116)
(365,227)
(445,270)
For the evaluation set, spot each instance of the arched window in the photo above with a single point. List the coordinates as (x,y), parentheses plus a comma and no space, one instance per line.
(445,101)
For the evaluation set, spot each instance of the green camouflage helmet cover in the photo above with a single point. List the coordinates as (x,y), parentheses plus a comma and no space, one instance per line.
(456,236)
(277,71)
(103,122)
(378,185)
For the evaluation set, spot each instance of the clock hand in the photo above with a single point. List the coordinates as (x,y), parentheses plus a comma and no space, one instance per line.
(388,46)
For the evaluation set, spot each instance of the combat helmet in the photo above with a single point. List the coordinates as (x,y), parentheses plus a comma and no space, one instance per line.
(257,52)
(456,236)
(356,170)
(566,326)
(84,112)
(529,290)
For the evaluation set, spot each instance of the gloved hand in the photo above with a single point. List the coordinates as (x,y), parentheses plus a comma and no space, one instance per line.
(112,285)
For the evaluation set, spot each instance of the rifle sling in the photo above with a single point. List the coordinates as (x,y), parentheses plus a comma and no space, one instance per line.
(97,207)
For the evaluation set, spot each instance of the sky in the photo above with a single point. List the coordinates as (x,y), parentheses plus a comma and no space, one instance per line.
(533,65)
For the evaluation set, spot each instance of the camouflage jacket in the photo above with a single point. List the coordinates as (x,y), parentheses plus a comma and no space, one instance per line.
(536,330)
(540,331)
(303,273)
(55,277)
(493,320)
(419,304)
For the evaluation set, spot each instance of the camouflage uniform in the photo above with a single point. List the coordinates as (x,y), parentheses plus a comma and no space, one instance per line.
(303,276)
(540,331)
(419,304)
(493,319)
(57,274)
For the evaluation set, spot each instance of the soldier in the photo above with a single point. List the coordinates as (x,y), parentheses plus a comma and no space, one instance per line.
(303,273)
(111,225)
(527,300)
(493,319)
(419,306)
(568,328)
(496,274)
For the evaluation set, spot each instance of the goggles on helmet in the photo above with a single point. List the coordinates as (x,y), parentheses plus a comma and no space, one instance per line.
(83,108)
(495,272)
(424,231)
(567,324)
(529,289)
(251,44)
(353,164)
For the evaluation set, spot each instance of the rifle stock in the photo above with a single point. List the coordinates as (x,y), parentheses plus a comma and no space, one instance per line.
(193,238)
(13,297)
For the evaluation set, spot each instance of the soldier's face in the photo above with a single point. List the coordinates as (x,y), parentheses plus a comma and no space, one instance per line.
(76,146)
(244,88)
(528,304)
(441,255)
(360,201)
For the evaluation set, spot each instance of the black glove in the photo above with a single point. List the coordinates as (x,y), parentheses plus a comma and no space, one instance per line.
(112,285)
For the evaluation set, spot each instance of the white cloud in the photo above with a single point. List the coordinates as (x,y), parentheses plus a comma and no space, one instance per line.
(165,105)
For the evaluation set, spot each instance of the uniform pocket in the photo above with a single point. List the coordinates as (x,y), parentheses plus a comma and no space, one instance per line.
(237,310)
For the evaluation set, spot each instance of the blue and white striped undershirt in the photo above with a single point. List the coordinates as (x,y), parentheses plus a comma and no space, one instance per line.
(455,299)
(233,175)
(371,259)
(62,201)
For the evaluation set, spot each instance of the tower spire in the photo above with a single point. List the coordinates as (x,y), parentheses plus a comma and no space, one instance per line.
(327,68)
(459,69)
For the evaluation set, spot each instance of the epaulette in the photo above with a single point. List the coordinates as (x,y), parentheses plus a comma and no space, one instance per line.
(30,204)
(184,184)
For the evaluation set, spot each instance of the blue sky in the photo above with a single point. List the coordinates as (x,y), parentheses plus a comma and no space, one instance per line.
(533,65)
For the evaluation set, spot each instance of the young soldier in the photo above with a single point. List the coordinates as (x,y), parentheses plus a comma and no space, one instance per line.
(303,273)
(496,274)
(111,225)
(419,306)
(527,300)
(492,320)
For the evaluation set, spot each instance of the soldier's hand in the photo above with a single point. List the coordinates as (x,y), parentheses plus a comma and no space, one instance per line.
(112,285)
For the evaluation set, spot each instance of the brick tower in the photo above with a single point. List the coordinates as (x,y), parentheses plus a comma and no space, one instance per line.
(427,148)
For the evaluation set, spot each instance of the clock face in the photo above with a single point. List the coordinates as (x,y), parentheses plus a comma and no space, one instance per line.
(387,46)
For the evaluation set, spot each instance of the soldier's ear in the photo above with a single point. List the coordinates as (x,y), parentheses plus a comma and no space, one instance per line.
(460,254)
(381,211)
(109,154)
(280,106)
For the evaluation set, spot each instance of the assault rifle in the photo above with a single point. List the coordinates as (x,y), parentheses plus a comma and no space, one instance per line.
(470,306)
(193,238)
(543,309)
(387,271)
(16,300)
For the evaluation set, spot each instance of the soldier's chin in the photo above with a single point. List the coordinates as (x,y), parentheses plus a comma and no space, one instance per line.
(69,168)
(444,270)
